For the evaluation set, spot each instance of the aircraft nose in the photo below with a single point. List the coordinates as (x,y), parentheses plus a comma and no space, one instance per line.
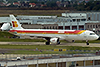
(97,37)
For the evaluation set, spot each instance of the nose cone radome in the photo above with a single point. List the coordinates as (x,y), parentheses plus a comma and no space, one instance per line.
(96,37)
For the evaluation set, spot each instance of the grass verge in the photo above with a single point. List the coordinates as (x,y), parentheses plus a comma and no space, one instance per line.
(45,49)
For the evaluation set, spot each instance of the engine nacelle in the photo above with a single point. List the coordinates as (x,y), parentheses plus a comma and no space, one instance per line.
(54,40)
(5,26)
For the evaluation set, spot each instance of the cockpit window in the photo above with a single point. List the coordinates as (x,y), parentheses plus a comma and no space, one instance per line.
(92,33)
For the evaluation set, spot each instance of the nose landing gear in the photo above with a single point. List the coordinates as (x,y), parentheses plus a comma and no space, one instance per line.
(87,43)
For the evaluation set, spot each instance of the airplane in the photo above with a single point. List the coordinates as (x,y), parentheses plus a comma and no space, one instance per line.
(53,36)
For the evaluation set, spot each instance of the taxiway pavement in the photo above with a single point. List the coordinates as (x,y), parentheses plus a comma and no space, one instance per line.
(43,43)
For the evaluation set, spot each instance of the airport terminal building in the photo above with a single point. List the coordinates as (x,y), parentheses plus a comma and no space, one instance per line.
(68,21)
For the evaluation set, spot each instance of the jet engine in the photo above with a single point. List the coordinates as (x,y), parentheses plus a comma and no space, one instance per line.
(55,40)
(5,26)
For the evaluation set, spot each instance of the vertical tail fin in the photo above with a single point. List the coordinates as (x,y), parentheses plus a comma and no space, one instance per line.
(15,23)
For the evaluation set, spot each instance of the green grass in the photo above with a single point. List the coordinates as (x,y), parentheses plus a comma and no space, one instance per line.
(45,52)
(5,34)
(46,49)
(20,40)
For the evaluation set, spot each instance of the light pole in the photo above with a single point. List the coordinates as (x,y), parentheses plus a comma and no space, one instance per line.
(6,60)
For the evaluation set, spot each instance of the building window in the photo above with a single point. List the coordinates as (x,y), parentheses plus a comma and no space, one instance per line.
(53,27)
(50,27)
(99,31)
(56,28)
(93,26)
(83,19)
(96,26)
(78,20)
(90,26)
(99,26)
(73,20)
(44,28)
(89,18)
(70,20)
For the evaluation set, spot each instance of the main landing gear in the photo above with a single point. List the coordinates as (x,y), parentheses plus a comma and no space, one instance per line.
(58,42)
(87,43)
(48,41)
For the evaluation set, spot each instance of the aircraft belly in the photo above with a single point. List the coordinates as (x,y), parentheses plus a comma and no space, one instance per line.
(74,37)
(70,37)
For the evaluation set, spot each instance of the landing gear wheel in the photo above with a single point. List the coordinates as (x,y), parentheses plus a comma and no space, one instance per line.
(73,41)
(58,43)
(87,43)
(47,43)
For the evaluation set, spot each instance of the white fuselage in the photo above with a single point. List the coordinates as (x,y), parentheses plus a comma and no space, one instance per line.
(61,34)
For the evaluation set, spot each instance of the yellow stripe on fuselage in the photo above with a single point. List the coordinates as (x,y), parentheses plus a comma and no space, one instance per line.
(81,31)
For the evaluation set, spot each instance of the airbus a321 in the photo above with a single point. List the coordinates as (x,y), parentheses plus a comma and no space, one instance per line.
(53,36)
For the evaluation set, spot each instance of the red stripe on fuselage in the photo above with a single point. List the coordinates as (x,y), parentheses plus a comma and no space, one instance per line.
(46,31)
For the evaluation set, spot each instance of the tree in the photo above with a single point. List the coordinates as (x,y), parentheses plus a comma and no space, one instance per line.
(51,4)
(33,1)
